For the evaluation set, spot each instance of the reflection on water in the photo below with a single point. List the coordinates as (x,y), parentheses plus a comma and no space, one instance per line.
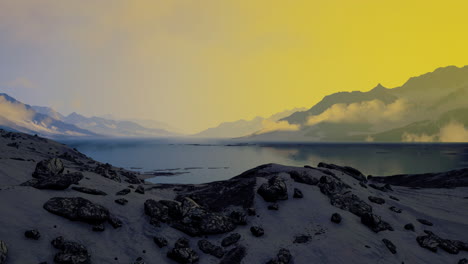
(215,161)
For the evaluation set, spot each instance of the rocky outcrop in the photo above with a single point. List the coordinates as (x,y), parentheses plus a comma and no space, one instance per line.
(188,217)
(88,190)
(182,253)
(351,203)
(302,177)
(70,252)
(48,168)
(449,179)
(77,209)
(431,241)
(375,223)
(274,190)
(208,248)
(105,170)
(345,169)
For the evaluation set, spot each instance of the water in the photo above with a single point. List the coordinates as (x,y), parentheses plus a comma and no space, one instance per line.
(212,161)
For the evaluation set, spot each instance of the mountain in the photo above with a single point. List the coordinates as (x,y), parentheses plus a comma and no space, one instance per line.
(20,117)
(243,127)
(115,128)
(424,108)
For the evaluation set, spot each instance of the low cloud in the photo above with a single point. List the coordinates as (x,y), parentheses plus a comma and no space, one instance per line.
(270,126)
(14,112)
(22,82)
(373,112)
(452,132)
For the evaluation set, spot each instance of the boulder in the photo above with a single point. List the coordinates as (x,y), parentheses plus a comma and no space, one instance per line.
(140,189)
(57,182)
(160,241)
(298,193)
(303,177)
(351,203)
(238,217)
(208,248)
(234,256)
(376,200)
(123,192)
(121,201)
(70,252)
(331,186)
(77,209)
(336,218)
(32,234)
(425,222)
(106,170)
(257,231)
(283,257)
(230,240)
(391,247)
(375,223)
(88,190)
(47,168)
(114,221)
(409,227)
(394,209)
(181,253)
(274,190)
(302,239)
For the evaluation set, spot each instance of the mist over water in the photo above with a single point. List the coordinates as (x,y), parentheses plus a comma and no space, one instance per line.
(201,162)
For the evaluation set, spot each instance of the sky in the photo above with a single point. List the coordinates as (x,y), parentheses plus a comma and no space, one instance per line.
(194,64)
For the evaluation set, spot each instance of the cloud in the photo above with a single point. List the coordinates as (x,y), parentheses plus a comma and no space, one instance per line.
(270,126)
(14,112)
(373,112)
(20,82)
(452,132)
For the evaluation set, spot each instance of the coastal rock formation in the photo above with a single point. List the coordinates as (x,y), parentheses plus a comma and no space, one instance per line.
(274,190)
(48,167)
(182,253)
(208,248)
(70,252)
(345,169)
(77,209)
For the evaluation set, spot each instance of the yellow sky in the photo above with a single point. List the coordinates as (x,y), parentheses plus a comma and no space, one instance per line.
(197,63)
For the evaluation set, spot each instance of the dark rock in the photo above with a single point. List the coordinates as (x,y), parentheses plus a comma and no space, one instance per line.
(375,223)
(88,190)
(351,203)
(57,182)
(302,177)
(47,168)
(274,190)
(257,231)
(330,186)
(181,252)
(283,257)
(32,234)
(77,209)
(394,209)
(449,179)
(389,245)
(160,241)
(409,227)
(105,170)
(463,261)
(298,193)
(336,218)
(208,248)
(238,217)
(425,222)
(234,256)
(251,211)
(274,207)
(302,239)
(70,252)
(3,252)
(363,184)
(429,241)
(123,192)
(121,201)
(384,188)
(376,200)
(114,221)
(345,169)
(394,198)
(139,260)
(230,240)
(140,189)
(99,228)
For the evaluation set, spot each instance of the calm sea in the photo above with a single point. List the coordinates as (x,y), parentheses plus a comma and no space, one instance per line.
(205,161)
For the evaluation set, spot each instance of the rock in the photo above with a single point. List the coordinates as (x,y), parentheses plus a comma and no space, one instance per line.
(375,223)
(88,190)
(32,234)
(121,201)
(336,218)
(330,186)
(274,190)
(140,189)
(389,245)
(384,188)
(181,252)
(257,231)
(394,198)
(298,193)
(238,217)
(189,217)
(70,252)
(302,239)
(303,178)
(208,248)
(139,260)
(114,221)
(105,170)
(463,261)
(123,192)
(394,209)
(230,240)
(77,209)
(363,184)
(283,257)
(347,170)
(99,228)
(47,168)
(160,241)
(429,241)
(425,222)
(274,207)
(351,203)
(409,227)
(251,211)
(234,256)
(3,252)
(376,200)
(57,182)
